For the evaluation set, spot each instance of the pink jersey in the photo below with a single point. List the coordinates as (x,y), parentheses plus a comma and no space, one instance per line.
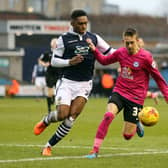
(136,69)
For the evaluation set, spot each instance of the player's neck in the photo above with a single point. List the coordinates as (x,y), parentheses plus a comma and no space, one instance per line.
(135,51)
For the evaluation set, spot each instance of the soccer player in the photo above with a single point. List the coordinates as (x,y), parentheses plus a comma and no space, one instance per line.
(149,94)
(38,77)
(130,89)
(73,54)
(52,74)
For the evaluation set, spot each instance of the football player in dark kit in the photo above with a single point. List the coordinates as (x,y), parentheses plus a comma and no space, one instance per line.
(52,74)
(38,77)
(76,83)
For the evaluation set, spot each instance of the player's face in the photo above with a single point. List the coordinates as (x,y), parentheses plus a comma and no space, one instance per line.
(131,43)
(80,24)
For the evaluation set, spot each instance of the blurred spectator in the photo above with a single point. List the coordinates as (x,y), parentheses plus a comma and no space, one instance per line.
(103,82)
(38,77)
(164,65)
(12,90)
(107,83)
(153,95)
(52,74)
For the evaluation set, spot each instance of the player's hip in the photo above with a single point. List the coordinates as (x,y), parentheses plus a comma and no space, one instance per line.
(67,90)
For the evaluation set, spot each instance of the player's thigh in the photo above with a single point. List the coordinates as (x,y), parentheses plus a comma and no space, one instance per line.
(63,101)
(63,94)
(81,89)
(113,108)
(115,103)
(50,80)
(50,92)
(80,94)
(131,111)
(77,106)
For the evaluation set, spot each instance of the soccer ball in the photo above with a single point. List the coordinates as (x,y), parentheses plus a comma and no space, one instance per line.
(148,116)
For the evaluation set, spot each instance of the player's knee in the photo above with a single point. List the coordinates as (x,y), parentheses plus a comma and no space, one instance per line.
(127,136)
(108,116)
(62,116)
(63,112)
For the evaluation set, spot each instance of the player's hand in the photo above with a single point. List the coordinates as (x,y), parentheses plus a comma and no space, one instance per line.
(154,96)
(76,60)
(47,64)
(91,45)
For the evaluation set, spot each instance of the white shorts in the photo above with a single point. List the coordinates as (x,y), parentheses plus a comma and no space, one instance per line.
(67,90)
(40,82)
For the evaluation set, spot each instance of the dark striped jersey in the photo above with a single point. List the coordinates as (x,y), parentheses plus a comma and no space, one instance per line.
(70,44)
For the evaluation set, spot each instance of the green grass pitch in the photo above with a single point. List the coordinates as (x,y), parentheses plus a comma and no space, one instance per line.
(20,148)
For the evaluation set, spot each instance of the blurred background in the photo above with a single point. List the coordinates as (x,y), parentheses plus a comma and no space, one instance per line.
(27,27)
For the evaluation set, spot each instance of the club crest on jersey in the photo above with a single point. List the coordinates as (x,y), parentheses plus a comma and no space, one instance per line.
(154,64)
(59,100)
(136,64)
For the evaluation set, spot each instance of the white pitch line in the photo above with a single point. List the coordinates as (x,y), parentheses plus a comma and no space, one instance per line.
(79,147)
(83,157)
(72,147)
(21,145)
(12,105)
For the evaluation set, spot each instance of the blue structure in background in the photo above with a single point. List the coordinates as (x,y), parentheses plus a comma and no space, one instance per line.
(30,58)
(152,83)
(4,81)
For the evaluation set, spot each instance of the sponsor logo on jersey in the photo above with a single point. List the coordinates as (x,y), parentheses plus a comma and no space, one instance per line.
(83,50)
(136,64)
(127,73)
(72,41)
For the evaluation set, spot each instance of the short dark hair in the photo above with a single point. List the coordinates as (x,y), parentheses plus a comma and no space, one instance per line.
(77,13)
(130,32)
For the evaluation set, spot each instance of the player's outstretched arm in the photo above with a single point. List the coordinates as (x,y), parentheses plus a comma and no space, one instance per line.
(60,62)
(104,60)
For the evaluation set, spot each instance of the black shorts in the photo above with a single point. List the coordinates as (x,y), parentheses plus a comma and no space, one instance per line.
(51,80)
(130,109)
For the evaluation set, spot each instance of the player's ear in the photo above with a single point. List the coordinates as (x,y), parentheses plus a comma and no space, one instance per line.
(72,23)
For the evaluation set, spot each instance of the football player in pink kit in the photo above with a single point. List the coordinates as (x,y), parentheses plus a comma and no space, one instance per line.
(130,89)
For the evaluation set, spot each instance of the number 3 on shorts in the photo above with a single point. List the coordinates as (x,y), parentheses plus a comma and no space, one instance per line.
(135,111)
